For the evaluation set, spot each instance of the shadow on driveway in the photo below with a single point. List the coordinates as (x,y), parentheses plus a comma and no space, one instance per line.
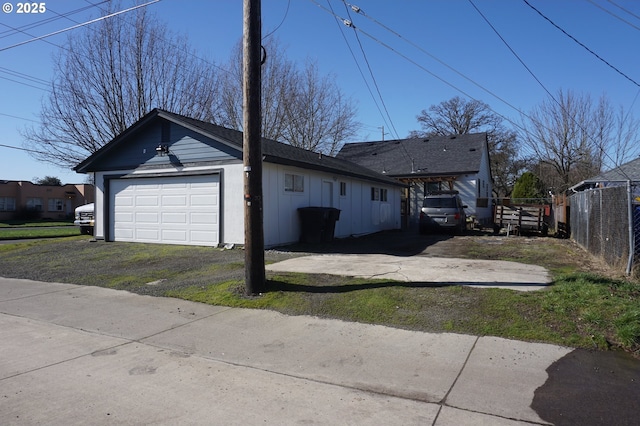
(395,243)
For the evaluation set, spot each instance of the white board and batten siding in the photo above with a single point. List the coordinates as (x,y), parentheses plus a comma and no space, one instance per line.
(359,214)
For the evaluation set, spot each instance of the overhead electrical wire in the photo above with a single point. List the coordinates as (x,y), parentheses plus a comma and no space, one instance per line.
(603,152)
(357,9)
(41,22)
(469,79)
(434,75)
(613,14)
(364,79)
(77,26)
(581,44)
(349,23)
(623,9)
(286,12)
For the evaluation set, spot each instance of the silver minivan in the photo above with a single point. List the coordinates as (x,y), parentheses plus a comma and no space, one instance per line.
(443,210)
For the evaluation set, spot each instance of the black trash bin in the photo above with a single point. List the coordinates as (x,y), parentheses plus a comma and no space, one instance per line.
(317,224)
(333,215)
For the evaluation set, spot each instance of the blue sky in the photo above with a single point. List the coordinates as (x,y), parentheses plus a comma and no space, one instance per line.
(408,77)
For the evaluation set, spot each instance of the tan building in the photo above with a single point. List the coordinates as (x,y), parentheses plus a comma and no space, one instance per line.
(19,199)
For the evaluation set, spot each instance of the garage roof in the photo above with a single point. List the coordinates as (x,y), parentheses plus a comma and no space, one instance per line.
(272,151)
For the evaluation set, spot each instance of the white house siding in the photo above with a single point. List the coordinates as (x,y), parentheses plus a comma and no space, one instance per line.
(359,214)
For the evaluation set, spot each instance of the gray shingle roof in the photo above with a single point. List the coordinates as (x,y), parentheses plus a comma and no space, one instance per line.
(627,171)
(272,151)
(432,156)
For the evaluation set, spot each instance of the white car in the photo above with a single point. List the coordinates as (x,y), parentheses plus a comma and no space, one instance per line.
(84,218)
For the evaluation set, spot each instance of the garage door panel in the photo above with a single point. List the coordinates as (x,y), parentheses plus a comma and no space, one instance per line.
(174,218)
(174,235)
(147,217)
(124,217)
(124,201)
(174,200)
(147,201)
(202,237)
(151,235)
(204,200)
(197,218)
(173,210)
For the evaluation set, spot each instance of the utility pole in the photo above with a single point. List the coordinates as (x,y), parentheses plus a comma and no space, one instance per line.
(254,275)
(383,133)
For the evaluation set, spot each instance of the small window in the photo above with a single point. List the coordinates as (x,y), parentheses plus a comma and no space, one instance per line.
(383,194)
(293,183)
(343,189)
(55,205)
(375,194)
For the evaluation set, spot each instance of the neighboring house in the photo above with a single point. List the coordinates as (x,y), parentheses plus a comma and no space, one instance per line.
(193,194)
(456,162)
(615,177)
(19,199)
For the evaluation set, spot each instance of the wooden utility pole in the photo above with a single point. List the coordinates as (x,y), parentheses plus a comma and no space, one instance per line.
(252,149)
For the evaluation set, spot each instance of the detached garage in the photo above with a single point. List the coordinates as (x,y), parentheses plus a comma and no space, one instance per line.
(171,179)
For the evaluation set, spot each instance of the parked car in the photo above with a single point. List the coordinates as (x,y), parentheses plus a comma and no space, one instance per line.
(84,218)
(443,210)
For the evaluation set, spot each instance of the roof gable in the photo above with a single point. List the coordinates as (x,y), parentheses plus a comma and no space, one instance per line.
(432,156)
(220,139)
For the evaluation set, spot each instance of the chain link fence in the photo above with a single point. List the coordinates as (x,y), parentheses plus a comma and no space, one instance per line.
(599,220)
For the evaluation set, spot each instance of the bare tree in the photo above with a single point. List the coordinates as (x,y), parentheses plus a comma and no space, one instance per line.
(299,106)
(460,116)
(111,74)
(575,137)
(625,139)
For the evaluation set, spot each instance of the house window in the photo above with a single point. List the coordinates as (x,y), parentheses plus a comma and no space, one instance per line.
(7,204)
(34,204)
(432,187)
(383,194)
(375,194)
(343,189)
(293,183)
(55,205)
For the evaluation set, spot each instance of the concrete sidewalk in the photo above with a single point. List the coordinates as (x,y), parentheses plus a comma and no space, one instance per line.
(88,355)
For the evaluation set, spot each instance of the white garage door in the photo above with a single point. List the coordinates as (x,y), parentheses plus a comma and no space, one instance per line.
(169,210)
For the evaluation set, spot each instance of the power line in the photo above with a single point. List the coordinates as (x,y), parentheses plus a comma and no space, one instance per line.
(22,149)
(77,26)
(582,44)
(373,78)
(579,125)
(623,9)
(360,11)
(41,22)
(286,12)
(364,79)
(613,14)
(19,118)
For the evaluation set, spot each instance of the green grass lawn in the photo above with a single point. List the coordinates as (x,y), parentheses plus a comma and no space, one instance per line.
(37,228)
(19,223)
